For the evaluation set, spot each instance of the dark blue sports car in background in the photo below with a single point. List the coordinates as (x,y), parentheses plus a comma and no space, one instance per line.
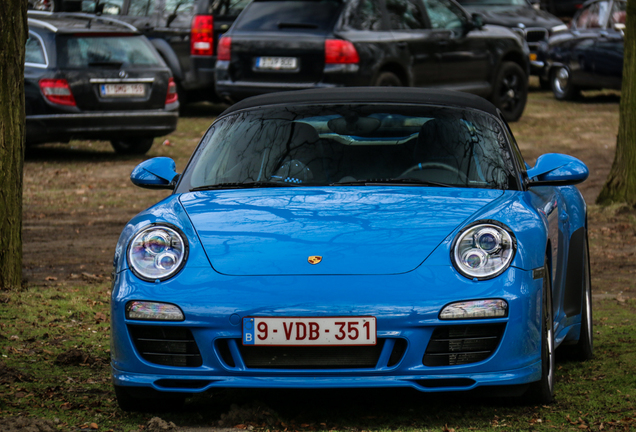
(358,237)
(590,55)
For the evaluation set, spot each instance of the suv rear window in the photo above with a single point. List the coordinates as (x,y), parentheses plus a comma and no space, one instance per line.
(102,51)
(290,15)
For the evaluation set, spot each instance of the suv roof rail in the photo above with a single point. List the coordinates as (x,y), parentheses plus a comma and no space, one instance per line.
(46,14)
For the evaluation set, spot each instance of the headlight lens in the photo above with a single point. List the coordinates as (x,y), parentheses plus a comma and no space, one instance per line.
(559,28)
(157,252)
(483,250)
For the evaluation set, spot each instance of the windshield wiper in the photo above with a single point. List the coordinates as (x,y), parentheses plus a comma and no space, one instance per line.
(397,181)
(244,185)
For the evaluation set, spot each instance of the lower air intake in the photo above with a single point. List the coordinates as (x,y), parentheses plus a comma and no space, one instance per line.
(462,344)
(167,346)
(334,357)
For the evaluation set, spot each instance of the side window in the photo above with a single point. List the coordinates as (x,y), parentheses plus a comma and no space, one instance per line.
(367,16)
(593,17)
(444,15)
(619,13)
(34,51)
(178,12)
(141,8)
(108,7)
(404,15)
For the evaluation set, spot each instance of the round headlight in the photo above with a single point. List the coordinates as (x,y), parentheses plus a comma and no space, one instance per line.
(483,250)
(157,252)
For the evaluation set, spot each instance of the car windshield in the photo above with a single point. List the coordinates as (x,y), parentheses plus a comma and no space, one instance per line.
(493,2)
(81,51)
(352,145)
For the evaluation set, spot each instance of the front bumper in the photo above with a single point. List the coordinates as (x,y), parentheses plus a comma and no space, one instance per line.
(101,125)
(406,307)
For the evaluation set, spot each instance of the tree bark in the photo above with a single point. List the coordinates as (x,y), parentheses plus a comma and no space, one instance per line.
(620,186)
(13,32)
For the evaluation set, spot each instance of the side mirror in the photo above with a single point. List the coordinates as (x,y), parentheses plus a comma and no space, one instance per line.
(555,169)
(476,22)
(155,173)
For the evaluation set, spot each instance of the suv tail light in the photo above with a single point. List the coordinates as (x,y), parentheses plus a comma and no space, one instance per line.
(338,51)
(57,91)
(171,96)
(225,48)
(202,35)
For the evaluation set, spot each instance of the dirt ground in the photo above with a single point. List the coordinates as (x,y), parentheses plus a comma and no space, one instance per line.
(78,197)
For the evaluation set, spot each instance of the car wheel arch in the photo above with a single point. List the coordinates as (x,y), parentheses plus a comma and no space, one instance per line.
(396,69)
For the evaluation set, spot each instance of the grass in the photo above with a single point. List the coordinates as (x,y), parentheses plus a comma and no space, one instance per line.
(55,347)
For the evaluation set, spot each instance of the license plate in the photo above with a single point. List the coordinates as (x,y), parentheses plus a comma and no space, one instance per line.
(277,63)
(304,331)
(119,90)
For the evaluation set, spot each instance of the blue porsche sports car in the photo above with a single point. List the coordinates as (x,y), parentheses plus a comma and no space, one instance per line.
(358,237)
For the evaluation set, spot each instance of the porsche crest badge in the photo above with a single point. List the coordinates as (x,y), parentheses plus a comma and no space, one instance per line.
(314,259)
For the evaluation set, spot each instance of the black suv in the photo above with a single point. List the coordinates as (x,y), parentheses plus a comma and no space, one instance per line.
(88,77)
(295,44)
(184,32)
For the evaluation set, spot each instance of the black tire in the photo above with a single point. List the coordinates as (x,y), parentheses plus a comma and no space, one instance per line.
(133,146)
(387,79)
(584,348)
(561,83)
(140,399)
(542,391)
(511,91)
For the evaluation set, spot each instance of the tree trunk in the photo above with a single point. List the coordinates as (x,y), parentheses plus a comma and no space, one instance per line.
(13,31)
(621,182)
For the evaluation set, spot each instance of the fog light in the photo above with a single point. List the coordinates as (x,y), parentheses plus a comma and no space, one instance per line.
(143,310)
(475,309)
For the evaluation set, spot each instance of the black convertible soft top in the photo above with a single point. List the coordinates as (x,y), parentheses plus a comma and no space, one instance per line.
(406,95)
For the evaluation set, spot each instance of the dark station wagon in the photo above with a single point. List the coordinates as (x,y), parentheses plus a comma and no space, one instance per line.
(298,44)
(89,77)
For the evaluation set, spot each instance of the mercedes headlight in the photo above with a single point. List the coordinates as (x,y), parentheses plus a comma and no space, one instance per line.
(157,252)
(483,250)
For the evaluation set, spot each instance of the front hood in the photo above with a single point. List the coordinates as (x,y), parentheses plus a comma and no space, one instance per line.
(512,16)
(356,230)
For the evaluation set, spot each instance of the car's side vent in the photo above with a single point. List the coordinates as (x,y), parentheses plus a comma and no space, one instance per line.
(168,346)
(462,344)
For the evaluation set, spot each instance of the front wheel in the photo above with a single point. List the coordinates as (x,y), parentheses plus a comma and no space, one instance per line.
(542,391)
(562,87)
(584,348)
(511,91)
(134,146)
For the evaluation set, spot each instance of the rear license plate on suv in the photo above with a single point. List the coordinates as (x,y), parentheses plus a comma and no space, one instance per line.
(303,331)
(122,90)
(276,63)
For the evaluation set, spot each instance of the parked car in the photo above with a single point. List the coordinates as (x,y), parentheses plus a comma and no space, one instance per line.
(299,44)
(352,237)
(88,77)
(184,32)
(534,24)
(590,55)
